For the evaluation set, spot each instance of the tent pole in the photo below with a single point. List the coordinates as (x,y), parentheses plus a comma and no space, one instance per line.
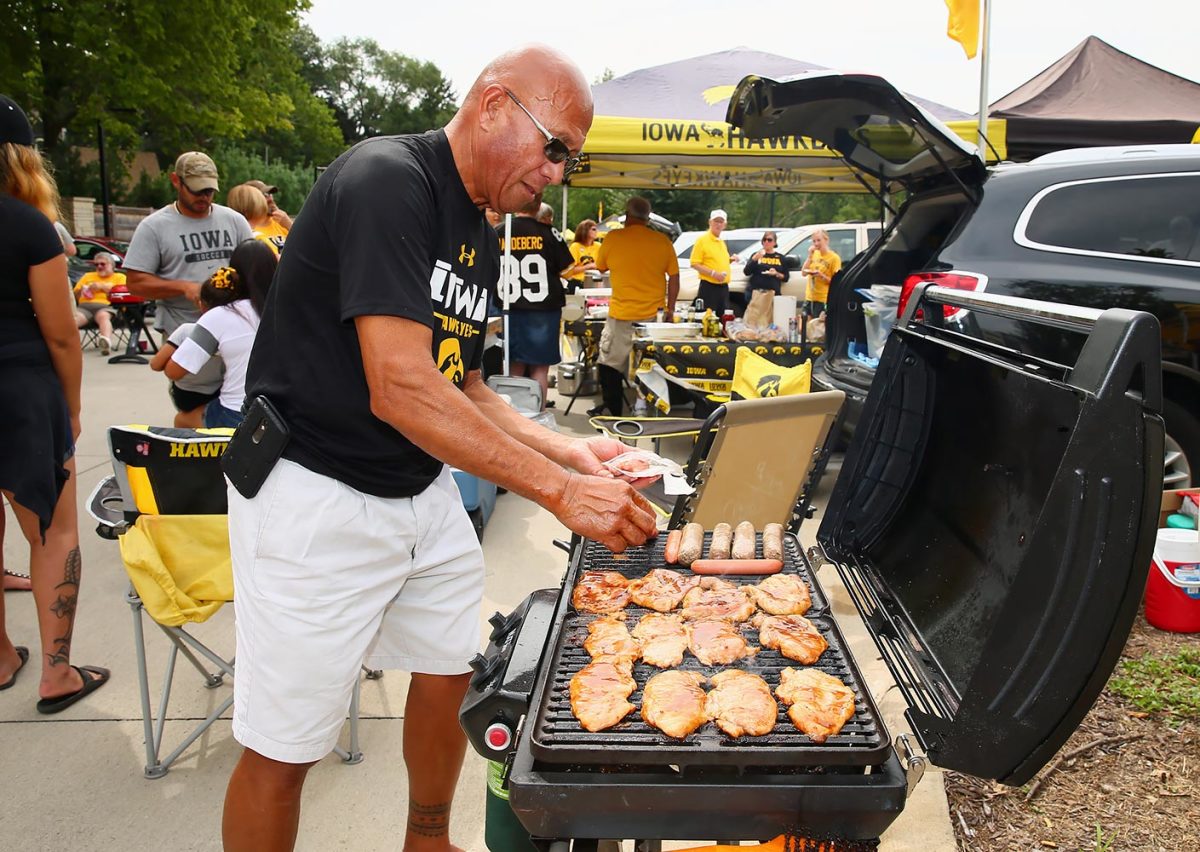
(984,55)
(564,207)
(505,266)
(771,214)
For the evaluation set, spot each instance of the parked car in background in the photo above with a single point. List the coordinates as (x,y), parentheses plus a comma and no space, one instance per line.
(89,247)
(1097,227)
(845,238)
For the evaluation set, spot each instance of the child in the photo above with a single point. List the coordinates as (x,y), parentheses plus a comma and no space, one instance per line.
(192,392)
(234,297)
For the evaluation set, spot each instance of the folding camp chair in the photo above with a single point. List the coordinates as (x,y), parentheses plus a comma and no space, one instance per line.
(166,506)
(758,460)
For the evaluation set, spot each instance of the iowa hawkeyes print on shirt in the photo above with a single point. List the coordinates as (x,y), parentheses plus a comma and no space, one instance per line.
(531,272)
(459,299)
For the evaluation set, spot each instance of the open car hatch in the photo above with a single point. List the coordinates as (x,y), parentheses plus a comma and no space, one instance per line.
(864,118)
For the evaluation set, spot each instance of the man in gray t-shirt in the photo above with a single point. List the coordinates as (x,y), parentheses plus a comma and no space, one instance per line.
(175,249)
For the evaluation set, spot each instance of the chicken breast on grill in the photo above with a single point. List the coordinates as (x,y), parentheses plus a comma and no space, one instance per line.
(600,692)
(609,639)
(663,639)
(794,636)
(601,591)
(717,599)
(819,703)
(661,590)
(717,643)
(741,703)
(675,703)
(781,594)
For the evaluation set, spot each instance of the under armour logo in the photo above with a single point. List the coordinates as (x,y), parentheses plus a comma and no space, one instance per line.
(467,257)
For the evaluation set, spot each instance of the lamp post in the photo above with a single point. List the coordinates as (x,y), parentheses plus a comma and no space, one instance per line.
(103,179)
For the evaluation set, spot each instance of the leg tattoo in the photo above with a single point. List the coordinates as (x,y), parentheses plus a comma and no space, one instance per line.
(64,608)
(429,820)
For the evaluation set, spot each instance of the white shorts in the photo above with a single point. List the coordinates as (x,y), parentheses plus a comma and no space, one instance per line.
(327,578)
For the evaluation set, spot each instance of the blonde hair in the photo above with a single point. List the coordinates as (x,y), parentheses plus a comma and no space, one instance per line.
(249,201)
(25,176)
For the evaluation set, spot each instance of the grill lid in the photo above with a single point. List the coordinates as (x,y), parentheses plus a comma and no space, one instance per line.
(994,519)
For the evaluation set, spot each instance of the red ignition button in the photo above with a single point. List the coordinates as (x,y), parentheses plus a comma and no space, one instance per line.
(498,736)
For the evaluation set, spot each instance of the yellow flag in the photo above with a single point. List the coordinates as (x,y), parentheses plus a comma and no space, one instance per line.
(963,26)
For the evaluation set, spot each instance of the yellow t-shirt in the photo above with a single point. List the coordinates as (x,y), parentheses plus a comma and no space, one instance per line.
(273,233)
(827,263)
(261,234)
(711,253)
(583,254)
(97,287)
(638,261)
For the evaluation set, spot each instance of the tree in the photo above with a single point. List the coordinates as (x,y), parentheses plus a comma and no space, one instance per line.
(373,91)
(171,75)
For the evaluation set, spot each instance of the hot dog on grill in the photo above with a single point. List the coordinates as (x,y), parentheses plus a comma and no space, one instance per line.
(691,546)
(773,541)
(671,551)
(737,566)
(722,542)
(743,541)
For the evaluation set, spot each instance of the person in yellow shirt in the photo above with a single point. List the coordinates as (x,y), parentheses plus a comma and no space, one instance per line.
(91,292)
(820,267)
(710,259)
(583,249)
(281,222)
(252,204)
(644,274)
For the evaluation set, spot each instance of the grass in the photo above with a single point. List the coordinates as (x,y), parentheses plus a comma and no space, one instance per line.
(1161,684)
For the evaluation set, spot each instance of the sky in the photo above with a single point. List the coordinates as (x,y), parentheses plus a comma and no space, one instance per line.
(902,40)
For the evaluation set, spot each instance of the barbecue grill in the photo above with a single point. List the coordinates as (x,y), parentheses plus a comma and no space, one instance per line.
(992,522)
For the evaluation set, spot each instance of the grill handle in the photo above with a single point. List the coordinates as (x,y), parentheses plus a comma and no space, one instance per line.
(913,762)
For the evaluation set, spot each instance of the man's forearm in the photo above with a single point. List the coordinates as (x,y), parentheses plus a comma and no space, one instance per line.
(549,443)
(152,287)
(672,291)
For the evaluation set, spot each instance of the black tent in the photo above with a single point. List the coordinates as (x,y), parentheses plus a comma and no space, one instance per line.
(1098,95)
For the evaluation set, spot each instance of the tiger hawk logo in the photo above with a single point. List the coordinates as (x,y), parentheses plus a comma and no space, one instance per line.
(449,360)
(769,386)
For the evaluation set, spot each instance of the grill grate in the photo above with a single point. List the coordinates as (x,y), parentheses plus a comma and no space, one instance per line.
(558,737)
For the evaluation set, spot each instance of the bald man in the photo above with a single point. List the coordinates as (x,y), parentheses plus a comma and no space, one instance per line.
(356,547)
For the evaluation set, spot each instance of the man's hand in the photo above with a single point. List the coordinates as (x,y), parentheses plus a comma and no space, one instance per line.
(606,510)
(586,455)
(191,289)
(282,218)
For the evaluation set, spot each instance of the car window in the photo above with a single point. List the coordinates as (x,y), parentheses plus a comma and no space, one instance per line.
(844,243)
(873,235)
(801,248)
(738,245)
(1156,216)
(86,251)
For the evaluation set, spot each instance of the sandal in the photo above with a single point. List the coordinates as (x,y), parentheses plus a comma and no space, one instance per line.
(18,582)
(23,653)
(94,677)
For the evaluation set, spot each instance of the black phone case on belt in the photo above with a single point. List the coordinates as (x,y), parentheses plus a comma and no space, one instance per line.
(255,447)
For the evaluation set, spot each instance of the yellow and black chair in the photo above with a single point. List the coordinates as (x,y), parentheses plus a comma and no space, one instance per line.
(166,506)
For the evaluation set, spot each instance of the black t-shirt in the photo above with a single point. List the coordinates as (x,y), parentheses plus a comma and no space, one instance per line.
(538,256)
(27,238)
(756,279)
(388,230)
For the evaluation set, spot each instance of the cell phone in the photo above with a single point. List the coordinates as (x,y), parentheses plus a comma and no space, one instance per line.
(255,447)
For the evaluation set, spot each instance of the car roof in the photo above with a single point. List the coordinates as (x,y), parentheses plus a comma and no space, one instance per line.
(1117,153)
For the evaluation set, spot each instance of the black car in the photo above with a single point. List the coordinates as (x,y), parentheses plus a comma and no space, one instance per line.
(1098,227)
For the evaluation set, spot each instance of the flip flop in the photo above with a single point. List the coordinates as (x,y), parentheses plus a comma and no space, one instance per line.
(22,578)
(94,677)
(23,653)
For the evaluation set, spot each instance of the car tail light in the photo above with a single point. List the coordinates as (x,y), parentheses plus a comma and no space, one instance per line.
(954,280)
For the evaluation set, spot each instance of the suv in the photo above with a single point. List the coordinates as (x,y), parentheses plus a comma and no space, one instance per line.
(845,238)
(1099,227)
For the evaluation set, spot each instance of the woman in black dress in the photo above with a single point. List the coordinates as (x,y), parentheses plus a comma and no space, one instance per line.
(40,371)
(766,269)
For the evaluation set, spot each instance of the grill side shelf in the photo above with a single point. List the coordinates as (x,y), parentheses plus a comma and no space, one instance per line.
(556,736)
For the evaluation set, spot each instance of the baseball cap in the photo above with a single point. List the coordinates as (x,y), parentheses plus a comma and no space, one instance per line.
(14,125)
(264,188)
(717,214)
(197,170)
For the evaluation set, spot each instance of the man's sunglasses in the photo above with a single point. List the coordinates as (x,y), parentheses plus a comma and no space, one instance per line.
(209,192)
(768,239)
(556,150)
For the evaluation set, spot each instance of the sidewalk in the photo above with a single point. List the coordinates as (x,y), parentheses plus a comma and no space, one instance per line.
(74,781)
